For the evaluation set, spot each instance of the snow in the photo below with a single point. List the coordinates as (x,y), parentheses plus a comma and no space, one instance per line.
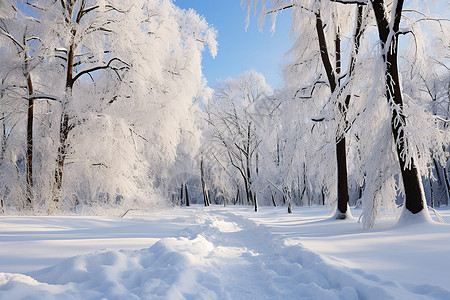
(222,253)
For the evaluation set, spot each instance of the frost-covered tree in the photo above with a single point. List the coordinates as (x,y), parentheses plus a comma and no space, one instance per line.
(371,143)
(150,107)
(131,74)
(319,26)
(22,53)
(408,143)
(234,115)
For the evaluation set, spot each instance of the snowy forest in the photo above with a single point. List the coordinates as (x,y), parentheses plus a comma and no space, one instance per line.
(104,104)
(125,174)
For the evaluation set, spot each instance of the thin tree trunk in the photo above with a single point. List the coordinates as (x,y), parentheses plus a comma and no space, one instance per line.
(431,192)
(202,177)
(2,154)
(273,201)
(447,185)
(29,164)
(414,196)
(4,137)
(250,194)
(323,196)
(181,194)
(187,194)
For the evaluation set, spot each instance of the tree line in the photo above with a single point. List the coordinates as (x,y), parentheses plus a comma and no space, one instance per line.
(104,103)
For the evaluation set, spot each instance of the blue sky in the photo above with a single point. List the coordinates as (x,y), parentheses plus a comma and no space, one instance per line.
(239,50)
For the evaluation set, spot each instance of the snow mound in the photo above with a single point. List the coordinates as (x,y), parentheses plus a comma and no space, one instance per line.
(223,256)
(407,218)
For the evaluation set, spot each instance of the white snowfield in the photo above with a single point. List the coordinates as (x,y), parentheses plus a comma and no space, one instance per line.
(222,253)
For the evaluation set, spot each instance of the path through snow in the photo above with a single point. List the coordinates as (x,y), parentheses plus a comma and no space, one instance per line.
(222,256)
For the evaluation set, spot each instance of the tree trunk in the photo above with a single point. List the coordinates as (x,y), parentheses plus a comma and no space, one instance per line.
(342,177)
(341,154)
(29,163)
(181,195)
(431,192)
(323,196)
(2,153)
(447,184)
(63,130)
(187,194)
(4,137)
(202,178)
(414,196)
(248,166)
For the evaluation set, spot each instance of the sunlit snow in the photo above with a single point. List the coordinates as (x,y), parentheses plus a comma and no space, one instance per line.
(222,253)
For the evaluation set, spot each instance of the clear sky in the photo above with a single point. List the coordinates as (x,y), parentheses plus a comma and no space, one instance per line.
(239,50)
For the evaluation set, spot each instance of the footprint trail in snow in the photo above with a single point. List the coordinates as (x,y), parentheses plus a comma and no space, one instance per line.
(223,256)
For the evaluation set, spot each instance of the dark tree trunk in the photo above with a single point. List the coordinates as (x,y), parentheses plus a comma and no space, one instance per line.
(2,154)
(202,178)
(187,194)
(447,185)
(247,192)
(248,169)
(64,129)
(4,137)
(256,203)
(273,201)
(431,192)
(414,196)
(323,196)
(342,176)
(29,163)
(341,154)
(181,194)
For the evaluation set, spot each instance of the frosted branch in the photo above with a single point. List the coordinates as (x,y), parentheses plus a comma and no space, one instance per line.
(107,66)
(2,31)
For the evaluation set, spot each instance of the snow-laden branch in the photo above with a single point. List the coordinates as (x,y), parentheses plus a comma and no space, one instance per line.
(43,96)
(107,66)
(17,43)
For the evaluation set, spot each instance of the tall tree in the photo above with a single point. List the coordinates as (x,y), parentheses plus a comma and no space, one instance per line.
(389,31)
(335,81)
(232,116)
(18,29)
(83,23)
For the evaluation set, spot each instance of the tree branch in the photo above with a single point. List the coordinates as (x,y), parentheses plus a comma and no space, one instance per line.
(5,33)
(43,96)
(107,66)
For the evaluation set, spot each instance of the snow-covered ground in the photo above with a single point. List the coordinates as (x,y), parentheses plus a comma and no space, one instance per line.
(222,253)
